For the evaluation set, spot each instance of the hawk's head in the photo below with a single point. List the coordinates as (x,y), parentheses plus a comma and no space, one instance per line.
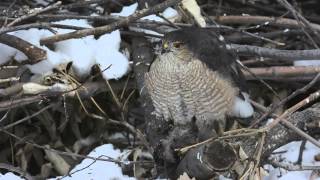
(201,43)
(175,47)
(192,37)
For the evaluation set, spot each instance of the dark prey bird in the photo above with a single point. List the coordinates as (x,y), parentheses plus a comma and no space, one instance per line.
(196,80)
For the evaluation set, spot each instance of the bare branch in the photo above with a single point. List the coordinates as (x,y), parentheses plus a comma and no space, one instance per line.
(291,167)
(289,55)
(275,72)
(34,53)
(28,16)
(260,20)
(112,26)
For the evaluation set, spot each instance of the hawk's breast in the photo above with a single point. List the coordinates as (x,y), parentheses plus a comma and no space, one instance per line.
(181,90)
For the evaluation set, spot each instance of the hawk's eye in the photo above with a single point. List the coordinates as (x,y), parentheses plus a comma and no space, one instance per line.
(177,44)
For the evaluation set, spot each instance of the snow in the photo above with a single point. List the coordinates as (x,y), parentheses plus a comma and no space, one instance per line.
(43,2)
(112,64)
(307,63)
(291,156)
(6,53)
(46,66)
(109,170)
(83,52)
(99,169)
(33,36)
(80,51)
(111,61)
(293,151)
(127,10)
(168,13)
(10,176)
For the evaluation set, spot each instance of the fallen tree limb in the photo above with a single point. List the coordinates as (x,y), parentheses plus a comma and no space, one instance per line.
(34,53)
(289,55)
(276,72)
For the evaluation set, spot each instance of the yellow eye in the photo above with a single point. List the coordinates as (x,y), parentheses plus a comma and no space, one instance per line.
(177,44)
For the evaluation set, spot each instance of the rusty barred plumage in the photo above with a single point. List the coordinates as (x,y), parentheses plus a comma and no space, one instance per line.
(195,78)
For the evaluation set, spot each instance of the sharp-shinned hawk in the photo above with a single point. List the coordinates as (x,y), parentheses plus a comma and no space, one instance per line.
(196,79)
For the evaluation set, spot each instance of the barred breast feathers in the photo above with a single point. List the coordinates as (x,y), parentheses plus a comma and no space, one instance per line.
(184,89)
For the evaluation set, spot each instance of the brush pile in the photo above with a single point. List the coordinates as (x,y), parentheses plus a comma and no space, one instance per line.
(71,79)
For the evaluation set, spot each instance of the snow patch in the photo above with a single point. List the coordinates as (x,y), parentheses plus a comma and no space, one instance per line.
(6,53)
(33,36)
(127,10)
(10,176)
(170,13)
(99,169)
(83,52)
(290,156)
(113,63)
(307,63)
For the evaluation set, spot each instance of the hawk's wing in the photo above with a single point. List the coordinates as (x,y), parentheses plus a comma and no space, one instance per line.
(211,49)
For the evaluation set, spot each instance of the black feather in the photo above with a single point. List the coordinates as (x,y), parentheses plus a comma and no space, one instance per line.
(204,43)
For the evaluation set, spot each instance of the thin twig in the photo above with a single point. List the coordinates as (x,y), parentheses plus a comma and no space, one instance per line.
(292,167)
(248,70)
(28,16)
(289,125)
(110,27)
(28,117)
(81,169)
(274,21)
(301,150)
(288,98)
(108,159)
(312,97)
(42,25)
(304,23)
